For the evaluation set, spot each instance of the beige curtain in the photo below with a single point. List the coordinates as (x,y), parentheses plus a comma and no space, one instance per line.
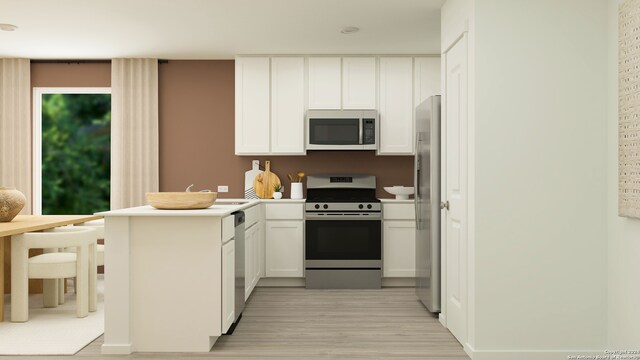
(15,127)
(134,131)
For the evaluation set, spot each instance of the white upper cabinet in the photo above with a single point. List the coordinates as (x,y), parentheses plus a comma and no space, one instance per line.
(252,105)
(324,83)
(273,94)
(396,106)
(359,83)
(287,105)
(426,76)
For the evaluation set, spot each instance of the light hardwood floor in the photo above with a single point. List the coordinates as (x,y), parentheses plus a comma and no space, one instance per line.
(296,323)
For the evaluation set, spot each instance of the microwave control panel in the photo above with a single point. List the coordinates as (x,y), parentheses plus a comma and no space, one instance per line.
(369,131)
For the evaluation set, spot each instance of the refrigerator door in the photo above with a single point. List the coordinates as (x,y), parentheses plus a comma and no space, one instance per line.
(427,200)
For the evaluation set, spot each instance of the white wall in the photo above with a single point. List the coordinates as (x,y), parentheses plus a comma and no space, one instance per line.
(540,158)
(624,233)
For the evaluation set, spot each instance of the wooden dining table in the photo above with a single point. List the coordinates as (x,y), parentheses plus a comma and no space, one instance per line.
(29,223)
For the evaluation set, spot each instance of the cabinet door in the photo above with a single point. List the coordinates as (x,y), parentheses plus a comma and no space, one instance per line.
(261,249)
(324,82)
(284,248)
(228,284)
(426,78)
(287,105)
(396,106)
(399,244)
(359,83)
(249,250)
(252,105)
(256,257)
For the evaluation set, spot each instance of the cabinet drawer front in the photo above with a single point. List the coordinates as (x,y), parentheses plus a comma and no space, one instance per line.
(251,216)
(398,211)
(284,211)
(227,229)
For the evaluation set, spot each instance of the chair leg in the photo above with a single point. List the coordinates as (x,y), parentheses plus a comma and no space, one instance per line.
(50,293)
(19,282)
(62,286)
(82,286)
(93,278)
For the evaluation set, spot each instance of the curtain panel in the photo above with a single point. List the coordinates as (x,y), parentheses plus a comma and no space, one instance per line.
(15,127)
(134,131)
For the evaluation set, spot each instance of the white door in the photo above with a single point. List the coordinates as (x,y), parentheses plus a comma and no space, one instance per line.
(249,250)
(284,249)
(228,284)
(454,127)
(396,106)
(252,105)
(287,105)
(324,82)
(399,248)
(359,83)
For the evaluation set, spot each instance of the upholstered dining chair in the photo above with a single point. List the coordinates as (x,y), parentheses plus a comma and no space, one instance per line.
(51,266)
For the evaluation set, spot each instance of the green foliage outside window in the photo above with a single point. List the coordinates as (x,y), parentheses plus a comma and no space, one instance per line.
(76,134)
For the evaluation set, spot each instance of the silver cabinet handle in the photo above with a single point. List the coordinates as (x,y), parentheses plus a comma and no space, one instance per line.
(444,205)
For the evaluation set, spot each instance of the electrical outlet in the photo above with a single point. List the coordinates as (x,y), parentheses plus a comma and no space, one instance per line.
(223,188)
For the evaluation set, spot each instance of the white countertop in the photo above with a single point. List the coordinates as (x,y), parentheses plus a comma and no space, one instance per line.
(396,201)
(219,208)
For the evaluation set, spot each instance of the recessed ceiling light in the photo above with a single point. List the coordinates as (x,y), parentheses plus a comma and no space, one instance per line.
(349,30)
(7,27)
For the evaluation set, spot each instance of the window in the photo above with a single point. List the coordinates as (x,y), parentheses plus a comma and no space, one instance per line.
(71,150)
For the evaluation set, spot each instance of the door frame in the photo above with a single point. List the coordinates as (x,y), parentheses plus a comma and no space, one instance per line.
(36,134)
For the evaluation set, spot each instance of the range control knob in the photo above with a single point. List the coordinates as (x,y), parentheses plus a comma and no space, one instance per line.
(317,206)
(360,206)
(369,206)
(325,206)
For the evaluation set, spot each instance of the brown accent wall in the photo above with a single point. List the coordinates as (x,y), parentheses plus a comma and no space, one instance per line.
(197,137)
(70,75)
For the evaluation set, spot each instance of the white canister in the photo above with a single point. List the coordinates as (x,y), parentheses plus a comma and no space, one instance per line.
(296,190)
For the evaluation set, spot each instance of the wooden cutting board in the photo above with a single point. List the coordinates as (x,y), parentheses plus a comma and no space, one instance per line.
(264,182)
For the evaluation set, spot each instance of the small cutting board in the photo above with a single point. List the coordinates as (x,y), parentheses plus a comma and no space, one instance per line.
(264,182)
(249,177)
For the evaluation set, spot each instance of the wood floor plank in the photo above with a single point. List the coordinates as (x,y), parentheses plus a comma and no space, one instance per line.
(296,323)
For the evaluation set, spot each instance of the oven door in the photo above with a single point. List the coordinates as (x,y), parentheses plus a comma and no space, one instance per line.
(343,243)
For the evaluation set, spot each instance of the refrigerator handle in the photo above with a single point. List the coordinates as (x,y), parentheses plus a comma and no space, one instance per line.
(417,182)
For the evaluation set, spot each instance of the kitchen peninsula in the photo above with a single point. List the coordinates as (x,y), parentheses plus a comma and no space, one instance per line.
(164,277)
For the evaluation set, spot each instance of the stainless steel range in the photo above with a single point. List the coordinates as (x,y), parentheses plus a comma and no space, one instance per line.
(343,232)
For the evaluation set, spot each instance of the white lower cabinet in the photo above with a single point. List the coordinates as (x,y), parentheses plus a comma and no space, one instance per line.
(399,259)
(284,248)
(399,240)
(228,284)
(251,259)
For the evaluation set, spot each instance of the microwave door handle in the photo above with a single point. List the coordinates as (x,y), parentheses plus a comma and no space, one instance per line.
(360,131)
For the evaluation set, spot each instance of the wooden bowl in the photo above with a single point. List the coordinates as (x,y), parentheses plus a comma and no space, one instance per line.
(181,200)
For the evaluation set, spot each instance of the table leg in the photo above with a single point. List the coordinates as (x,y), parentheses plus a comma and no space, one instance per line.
(2,241)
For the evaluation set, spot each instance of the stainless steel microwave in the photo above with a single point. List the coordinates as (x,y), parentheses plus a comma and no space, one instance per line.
(342,130)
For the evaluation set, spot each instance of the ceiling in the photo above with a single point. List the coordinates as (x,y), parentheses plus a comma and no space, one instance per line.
(216,29)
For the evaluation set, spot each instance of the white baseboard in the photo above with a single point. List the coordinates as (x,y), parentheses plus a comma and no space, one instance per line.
(297,282)
(116,349)
(529,354)
(399,282)
(281,282)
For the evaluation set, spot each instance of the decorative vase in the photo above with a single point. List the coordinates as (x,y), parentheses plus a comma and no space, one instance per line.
(11,202)
(296,190)
(277,195)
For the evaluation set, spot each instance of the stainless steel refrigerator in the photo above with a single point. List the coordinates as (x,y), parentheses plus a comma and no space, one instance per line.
(427,199)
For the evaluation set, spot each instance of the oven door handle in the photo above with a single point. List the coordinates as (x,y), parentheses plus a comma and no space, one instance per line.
(371,216)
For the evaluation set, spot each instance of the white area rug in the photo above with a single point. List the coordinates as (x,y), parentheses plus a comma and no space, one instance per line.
(51,331)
